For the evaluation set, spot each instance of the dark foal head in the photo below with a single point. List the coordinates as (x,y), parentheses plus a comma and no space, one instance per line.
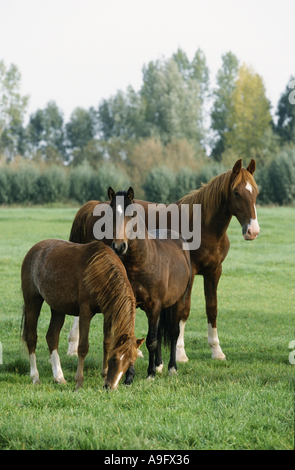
(121,359)
(119,202)
(242,199)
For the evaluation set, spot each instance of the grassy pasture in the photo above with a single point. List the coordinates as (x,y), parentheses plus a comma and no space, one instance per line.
(246,402)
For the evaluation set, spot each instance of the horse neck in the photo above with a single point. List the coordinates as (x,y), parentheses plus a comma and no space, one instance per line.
(137,252)
(215,209)
(220,221)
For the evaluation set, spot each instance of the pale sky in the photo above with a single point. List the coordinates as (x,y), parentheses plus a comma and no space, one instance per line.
(77,52)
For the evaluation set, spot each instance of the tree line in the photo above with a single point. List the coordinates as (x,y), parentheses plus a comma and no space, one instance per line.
(157,137)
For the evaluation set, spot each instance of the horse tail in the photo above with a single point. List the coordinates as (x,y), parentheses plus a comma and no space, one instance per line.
(165,325)
(78,230)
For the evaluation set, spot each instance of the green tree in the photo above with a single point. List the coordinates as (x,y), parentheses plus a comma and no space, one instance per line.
(196,70)
(226,78)
(121,116)
(285,127)
(249,116)
(80,133)
(159,185)
(45,133)
(172,105)
(12,108)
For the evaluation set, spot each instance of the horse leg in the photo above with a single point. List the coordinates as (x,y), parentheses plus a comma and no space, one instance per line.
(210,288)
(158,353)
(106,346)
(73,338)
(84,325)
(180,352)
(177,312)
(32,308)
(151,341)
(52,337)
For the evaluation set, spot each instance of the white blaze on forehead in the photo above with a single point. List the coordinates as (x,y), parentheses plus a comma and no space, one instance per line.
(249,187)
(120,209)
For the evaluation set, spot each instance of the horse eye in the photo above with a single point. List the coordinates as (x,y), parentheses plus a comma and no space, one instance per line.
(133,215)
(237,194)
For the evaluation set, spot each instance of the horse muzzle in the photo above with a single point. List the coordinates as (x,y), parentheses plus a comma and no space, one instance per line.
(251,231)
(119,248)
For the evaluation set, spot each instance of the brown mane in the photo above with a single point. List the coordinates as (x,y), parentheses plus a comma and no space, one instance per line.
(210,195)
(102,276)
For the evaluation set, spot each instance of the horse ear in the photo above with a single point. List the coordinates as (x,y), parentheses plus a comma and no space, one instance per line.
(139,342)
(237,168)
(111,193)
(130,194)
(251,167)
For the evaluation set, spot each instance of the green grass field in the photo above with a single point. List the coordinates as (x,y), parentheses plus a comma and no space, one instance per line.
(246,402)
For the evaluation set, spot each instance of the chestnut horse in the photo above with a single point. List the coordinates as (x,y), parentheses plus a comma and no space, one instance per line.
(159,274)
(79,280)
(232,193)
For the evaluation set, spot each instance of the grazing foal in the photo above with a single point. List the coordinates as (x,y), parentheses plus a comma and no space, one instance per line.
(79,280)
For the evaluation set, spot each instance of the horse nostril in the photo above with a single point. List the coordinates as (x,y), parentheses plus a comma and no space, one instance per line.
(123,247)
(106,387)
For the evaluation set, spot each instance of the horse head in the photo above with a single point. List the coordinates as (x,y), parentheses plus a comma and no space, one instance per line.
(242,198)
(119,202)
(121,359)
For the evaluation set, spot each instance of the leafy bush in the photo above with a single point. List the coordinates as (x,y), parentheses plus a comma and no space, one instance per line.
(5,188)
(24,184)
(53,185)
(159,185)
(282,176)
(86,184)
(108,175)
(208,172)
(262,178)
(185,181)
(80,178)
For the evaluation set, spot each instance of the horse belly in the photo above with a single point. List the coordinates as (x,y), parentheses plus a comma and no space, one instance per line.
(59,289)
(60,298)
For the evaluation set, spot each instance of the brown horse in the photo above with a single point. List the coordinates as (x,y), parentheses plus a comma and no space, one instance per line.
(159,274)
(231,193)
(79,280)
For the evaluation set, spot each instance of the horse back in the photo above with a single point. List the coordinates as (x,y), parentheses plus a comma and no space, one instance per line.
(53,269)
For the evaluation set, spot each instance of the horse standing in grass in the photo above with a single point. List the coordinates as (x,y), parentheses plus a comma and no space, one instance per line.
(232,193)
(80,280)
(159,273)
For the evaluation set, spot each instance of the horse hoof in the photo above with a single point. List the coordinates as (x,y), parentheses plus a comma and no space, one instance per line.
(160,368)
(36,381)
(72,349)
(78,386)
(150,378)
(172,371)
(181,358)
(219,357)
(61,381)
(72,353)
